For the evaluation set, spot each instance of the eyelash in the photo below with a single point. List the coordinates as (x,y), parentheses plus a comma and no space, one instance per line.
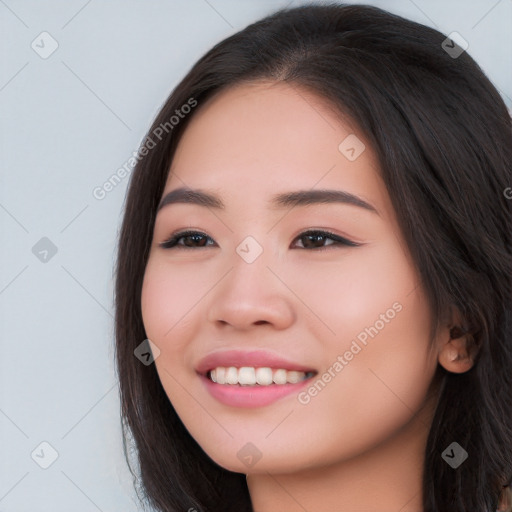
(172,242)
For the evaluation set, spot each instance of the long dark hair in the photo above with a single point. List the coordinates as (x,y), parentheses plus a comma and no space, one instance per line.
(443,137)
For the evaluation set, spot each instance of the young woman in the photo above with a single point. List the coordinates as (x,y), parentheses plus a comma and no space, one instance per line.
(316,254)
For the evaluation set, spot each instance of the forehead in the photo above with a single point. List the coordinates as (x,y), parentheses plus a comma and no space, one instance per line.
(257,139)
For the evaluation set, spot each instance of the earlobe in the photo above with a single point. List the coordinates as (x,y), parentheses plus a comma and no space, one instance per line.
(455,355)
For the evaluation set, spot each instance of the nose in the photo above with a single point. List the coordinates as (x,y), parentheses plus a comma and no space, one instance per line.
(251,294)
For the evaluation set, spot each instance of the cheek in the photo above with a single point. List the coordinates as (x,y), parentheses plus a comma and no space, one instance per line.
(380,306)
(156,303)
(379,321)
(167,300)
(356,288)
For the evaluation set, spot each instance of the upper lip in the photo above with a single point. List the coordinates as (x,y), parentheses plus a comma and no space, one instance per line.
(254,358)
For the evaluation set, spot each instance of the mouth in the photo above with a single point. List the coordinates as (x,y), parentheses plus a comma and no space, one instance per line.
(241,378)
(256,376)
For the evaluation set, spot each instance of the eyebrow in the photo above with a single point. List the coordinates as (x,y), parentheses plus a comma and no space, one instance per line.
(298,198)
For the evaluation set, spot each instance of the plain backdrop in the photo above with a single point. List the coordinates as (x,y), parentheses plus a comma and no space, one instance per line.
(69,120)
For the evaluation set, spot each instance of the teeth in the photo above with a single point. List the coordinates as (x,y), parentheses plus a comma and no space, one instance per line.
(232,375)
(250,376)
(219,374)
(246,376)
(293,377)
(279,376)
(264,376)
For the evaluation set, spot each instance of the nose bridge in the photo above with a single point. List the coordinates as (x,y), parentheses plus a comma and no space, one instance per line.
(249,267)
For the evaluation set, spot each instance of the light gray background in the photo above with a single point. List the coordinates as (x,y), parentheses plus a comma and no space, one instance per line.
(68,123)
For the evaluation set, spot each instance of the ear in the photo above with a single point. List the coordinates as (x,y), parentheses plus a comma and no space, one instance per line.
(456,352)
(505,502)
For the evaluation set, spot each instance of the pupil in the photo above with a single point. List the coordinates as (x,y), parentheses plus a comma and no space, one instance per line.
(317,238)
(197,239)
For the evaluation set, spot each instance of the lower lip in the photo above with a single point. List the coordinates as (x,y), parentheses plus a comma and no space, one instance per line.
(251,396)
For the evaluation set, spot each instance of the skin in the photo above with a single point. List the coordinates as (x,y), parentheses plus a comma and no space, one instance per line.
(358,444)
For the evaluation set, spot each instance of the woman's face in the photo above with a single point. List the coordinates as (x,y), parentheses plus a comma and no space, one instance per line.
(252,281)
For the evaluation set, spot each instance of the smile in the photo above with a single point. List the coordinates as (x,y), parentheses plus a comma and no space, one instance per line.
(251,376)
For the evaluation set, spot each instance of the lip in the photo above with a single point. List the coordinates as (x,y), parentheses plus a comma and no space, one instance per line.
(249,396)
(254,358)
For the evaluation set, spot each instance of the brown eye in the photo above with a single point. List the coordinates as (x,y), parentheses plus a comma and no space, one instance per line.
(316,239)
(192,239)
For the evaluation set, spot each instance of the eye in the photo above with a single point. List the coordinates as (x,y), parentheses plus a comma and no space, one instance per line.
(191,239)
(313,239)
